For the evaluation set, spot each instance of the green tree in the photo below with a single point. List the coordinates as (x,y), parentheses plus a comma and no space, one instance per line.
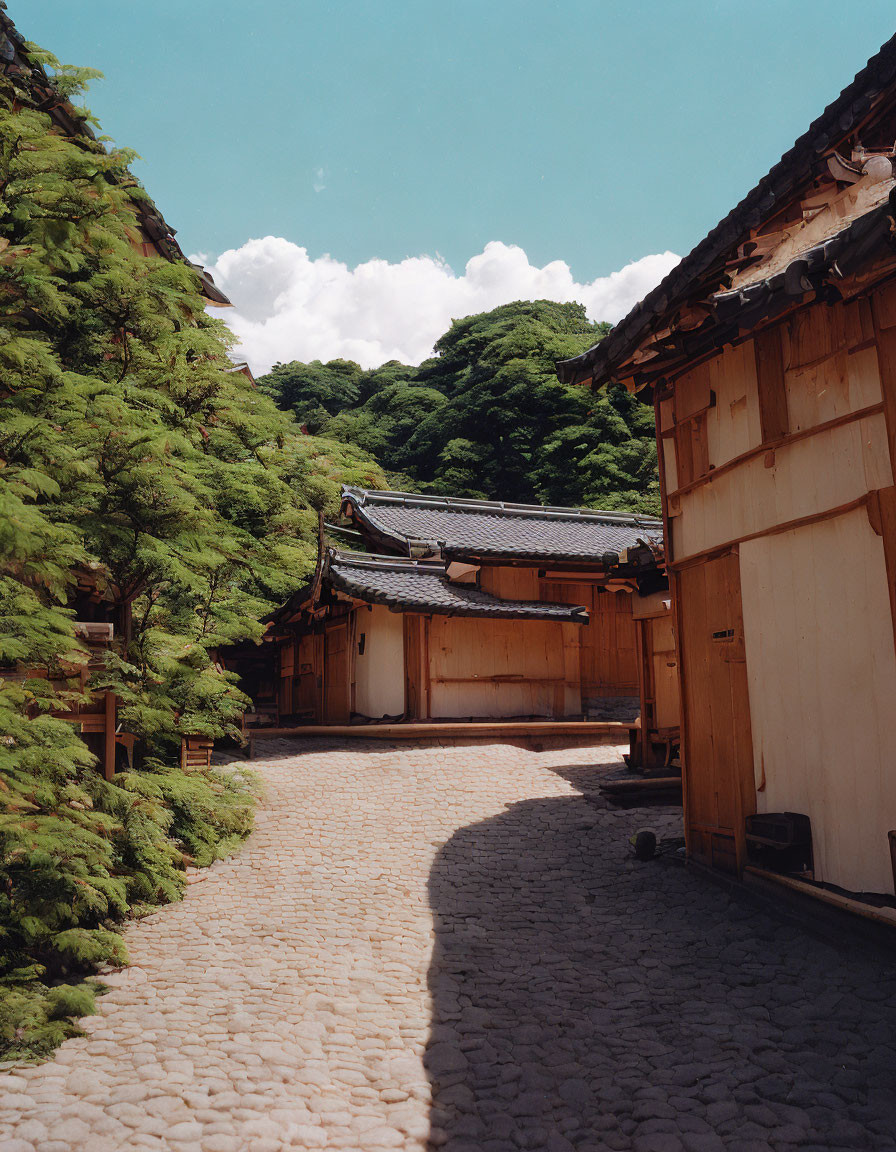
(134,456)
(313,392)
(487,416)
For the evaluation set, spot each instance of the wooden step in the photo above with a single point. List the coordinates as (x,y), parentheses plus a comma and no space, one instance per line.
(598,730)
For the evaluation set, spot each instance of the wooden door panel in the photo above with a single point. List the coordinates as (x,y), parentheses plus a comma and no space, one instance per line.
(415,673)
(718,750)
(336,675)
(663,672)
(613,653)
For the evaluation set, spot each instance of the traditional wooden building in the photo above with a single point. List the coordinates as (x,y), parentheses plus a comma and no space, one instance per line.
(770,357)
(468,609)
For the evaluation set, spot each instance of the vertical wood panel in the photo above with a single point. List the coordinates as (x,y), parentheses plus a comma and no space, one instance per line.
(718,749)
(413,627)
(733,422)
(608,642)
(483,667)
(336,674)
(306,683)
(509,583)
(664,672)
(770,383)
(885,335)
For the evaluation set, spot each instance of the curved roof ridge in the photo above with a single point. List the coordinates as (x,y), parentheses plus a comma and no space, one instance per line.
(460,504)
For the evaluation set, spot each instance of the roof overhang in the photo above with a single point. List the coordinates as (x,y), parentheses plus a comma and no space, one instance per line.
(680,319)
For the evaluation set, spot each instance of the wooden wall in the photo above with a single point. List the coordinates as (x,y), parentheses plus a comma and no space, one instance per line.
(660,641)
(822,674)
(510,583)
(481,667)
(301,680)
(776,455)
(608,656)
(659,690)
(429,667)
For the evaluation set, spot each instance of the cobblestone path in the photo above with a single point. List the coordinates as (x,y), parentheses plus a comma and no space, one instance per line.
(454,945)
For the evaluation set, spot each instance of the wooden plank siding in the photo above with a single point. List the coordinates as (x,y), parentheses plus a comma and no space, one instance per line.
(782,544)
(497,668)
(337,674)
(608,647)
(371,662)
(717,746)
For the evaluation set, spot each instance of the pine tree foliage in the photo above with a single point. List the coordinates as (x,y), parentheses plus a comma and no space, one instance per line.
(487,416)
(130,450)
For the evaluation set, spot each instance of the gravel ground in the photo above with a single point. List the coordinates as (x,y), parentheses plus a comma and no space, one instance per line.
(453,947)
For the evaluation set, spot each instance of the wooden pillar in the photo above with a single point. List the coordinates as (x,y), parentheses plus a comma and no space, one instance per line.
(109,737)
(882,505)
(773,416)
(642,628)
(572,669)
(427,670)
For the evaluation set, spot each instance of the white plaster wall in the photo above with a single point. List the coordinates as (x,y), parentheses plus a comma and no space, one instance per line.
(379,672)
(822,681)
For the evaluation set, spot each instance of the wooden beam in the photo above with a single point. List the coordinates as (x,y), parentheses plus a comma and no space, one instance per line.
(773,417)
(882,914)
(882,515)
(885,338)
(645,688)
(598,732)
(773,530)
(109,737)
(675,596)
(426,667)
(509,678)
(774,445)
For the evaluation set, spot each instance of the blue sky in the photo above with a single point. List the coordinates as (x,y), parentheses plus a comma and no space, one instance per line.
(590,132)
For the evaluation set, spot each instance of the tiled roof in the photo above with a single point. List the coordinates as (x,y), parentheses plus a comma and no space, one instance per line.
(460,527)
(847,249)
(420,586)
(795,167)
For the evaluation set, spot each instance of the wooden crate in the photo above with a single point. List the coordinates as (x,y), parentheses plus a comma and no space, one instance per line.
(195,752)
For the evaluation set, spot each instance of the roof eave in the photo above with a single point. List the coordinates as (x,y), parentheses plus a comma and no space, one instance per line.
(782,181)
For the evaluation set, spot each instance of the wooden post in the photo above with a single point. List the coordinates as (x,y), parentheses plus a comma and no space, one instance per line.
(773,417)
(109,737)
(427,671)
(885,503)
(645,668)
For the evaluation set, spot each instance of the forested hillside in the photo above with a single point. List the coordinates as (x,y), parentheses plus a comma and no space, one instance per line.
(487,416)
(135,462)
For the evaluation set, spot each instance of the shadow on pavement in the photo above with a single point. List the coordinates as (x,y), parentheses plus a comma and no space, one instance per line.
(582,1000)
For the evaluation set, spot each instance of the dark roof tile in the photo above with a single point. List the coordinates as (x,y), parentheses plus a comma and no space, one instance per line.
(418,586)
(495,529)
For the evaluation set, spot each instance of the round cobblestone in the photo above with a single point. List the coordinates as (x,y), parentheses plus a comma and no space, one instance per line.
(453,947)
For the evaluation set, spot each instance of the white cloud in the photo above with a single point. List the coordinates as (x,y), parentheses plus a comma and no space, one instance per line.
(290,307)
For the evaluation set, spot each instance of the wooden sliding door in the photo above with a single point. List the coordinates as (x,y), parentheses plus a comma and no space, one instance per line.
(718,750)
(337,699)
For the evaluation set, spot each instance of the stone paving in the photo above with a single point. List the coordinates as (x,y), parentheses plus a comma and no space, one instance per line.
(454,948)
